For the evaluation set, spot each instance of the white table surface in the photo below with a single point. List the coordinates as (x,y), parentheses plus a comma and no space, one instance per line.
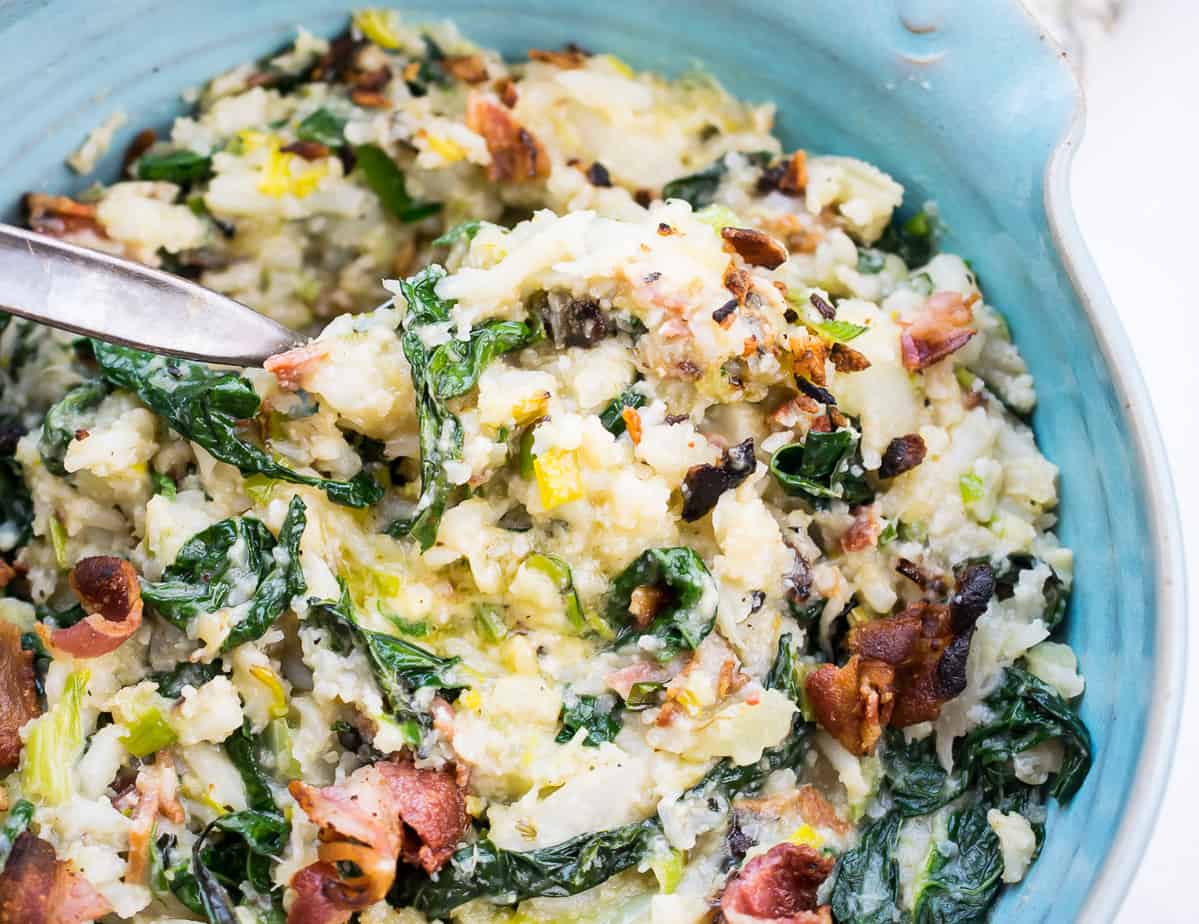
(1136,194)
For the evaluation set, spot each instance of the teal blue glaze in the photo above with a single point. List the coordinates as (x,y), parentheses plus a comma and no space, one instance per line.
(964,103)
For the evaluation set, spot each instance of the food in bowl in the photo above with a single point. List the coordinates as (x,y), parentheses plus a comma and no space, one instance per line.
(670,543)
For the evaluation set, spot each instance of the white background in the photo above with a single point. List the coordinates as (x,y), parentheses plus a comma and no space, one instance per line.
(1136,194)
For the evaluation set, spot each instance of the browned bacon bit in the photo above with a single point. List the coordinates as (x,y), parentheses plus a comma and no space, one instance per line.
(39,888)
(738,282)
(369,99)
(597,175)
(757,248)
(724,314)
(108,589)
(59,216)
(902,454)
(853,703)
(943,328)
(18,694)
(7,571)
(338,59)
(156,788)
(644,604)
(815,392)
(319,896)
(821,304)
(515,154)
(795,179)
(778,887)
(836,418)
(309,150)
(569,58)
(505,89)
(622,681)
(808,356)
(863,533)
(664,229)
(467,68)
(290,368)
(847,359)
(382,813)
(703,484)
(140,144)
(643,197)
(812,807)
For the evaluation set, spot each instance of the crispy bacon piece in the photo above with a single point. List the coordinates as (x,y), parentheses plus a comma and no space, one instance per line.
(569,58)
(467,68)
(108,589)
(7,573)
(308,150)
(738,282)
(18,694)
(290,368)
(778,887)
(60,216)
(943,328)
(156,788)
(141,143)
(318,896)
(863,533)
(505,89)
(383,813)
(516,155)
(38,888)
(853,703)
(755,247)
(808,356)
(902,454)
(812,807)
(644,603)
(847,359)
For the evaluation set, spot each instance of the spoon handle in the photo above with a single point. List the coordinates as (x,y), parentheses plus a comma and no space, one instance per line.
(102,296)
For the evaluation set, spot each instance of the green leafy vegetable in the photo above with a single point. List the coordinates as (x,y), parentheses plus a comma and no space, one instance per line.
(243,753)
(251,842)
(643,694)
(221,560)
(16,506)
(963,873)
(440,373)
(399,667)
(180,167)
(915,239)
(700,188)
(16,822)
(194,674)
(866,879)
(322,127)
(559,572)
(386,181)
(611,416)
(1057,596)
(917,782)
(599,715)
(204,405)
(840,331)
(1026,711)
(164,485)
(824,466)
(482,869)
(782,675)
(685,593)
(64,420)
(464,231)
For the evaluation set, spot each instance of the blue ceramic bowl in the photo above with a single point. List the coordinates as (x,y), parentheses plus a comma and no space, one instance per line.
(964,103)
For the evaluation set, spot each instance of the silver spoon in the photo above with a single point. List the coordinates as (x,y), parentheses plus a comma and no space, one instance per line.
(102,296)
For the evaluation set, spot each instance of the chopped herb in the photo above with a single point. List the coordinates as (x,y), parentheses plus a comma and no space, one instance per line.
(465,231)
(323,127)
(840,331)
(387,182)
(179,167)
(599,715)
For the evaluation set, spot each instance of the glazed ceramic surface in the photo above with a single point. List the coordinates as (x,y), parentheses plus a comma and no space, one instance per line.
(966,104)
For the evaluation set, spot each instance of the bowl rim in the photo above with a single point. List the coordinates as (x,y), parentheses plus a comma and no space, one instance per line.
(1140,810)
